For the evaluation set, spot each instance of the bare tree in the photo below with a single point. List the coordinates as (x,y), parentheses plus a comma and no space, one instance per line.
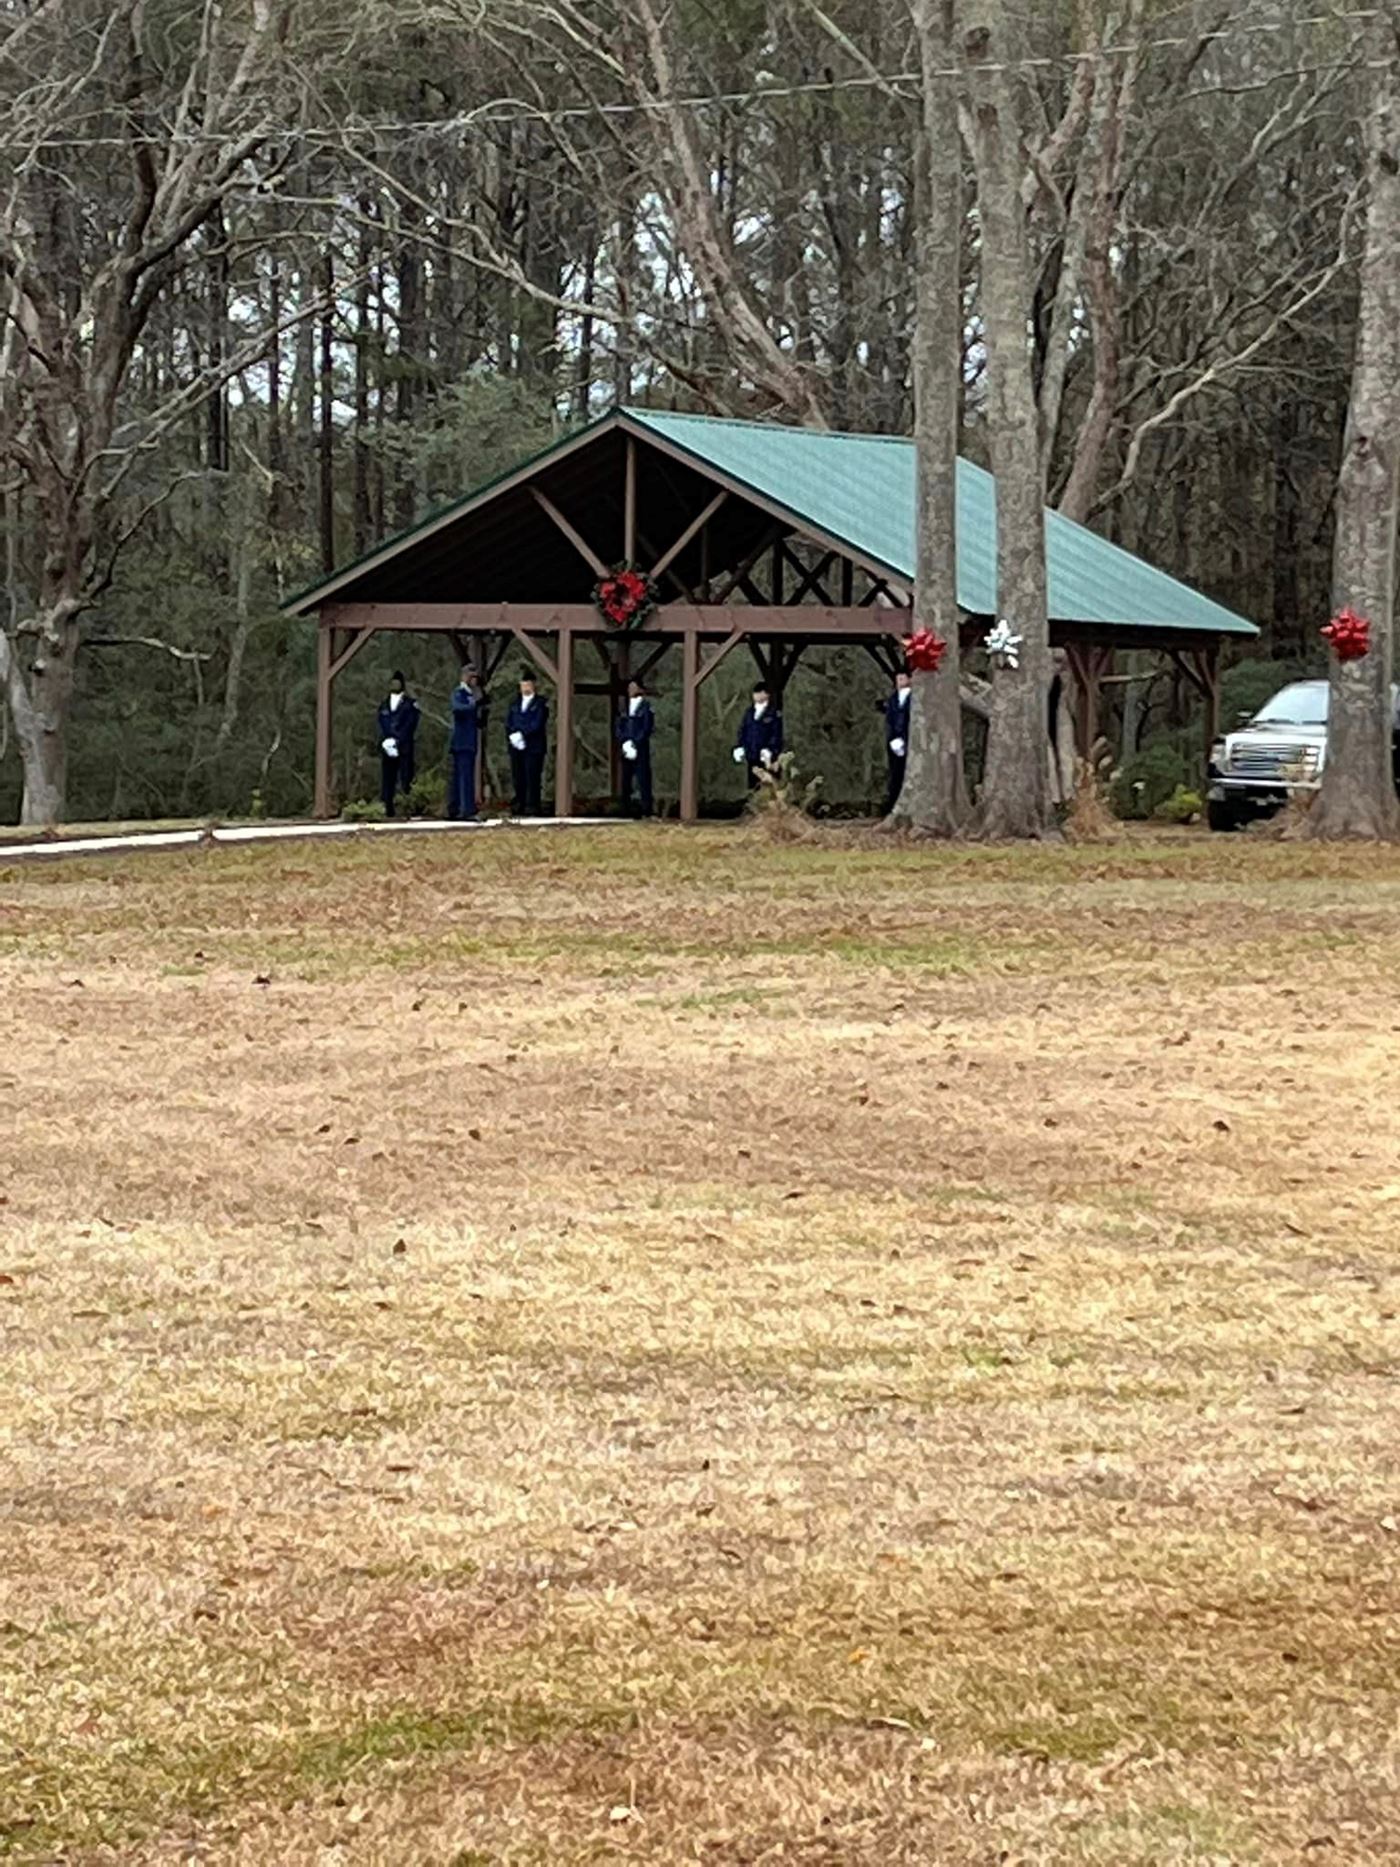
(934,798)
(185,107)
(1358,787)
(1015,799)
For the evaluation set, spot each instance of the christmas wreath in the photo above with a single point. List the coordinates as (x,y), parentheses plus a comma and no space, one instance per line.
(1349,635)
(626,596)
(923,650)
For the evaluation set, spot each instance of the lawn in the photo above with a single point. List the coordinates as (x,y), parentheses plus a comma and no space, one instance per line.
(655,1345)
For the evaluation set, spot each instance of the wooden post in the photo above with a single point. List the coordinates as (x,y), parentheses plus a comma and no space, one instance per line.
(323,804)
(690,727)
(619,673)
(1210,665)
(564,728)
(1086,664)
(629,507)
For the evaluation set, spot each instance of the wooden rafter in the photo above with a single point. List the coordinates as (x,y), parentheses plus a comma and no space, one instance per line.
(692,531)
(575,538)
(711,661)
(737,578)
(347,655)
(547,665)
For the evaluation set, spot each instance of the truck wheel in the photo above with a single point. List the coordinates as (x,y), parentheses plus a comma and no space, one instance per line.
(1221,816)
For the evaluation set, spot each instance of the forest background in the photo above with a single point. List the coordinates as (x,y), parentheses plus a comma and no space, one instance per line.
(305,272)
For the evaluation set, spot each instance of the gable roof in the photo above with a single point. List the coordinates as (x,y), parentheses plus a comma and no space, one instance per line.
(854,492)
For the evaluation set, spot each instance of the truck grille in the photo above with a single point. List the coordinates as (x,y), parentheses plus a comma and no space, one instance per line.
(1274,761)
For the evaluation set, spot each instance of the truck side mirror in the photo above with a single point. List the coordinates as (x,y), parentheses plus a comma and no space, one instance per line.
(1244,717)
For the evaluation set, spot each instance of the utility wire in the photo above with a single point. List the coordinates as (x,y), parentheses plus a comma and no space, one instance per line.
(514,110)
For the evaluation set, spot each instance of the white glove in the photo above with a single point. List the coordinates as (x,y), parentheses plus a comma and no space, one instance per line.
(629,749)
(391,748)
(518,741)
(897,747)
(765,757)
(740,756)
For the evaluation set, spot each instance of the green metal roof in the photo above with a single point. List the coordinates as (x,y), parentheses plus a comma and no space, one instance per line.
(855,491)
(859,489)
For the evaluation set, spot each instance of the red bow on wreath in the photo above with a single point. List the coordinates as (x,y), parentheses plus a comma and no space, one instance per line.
(625,596)
(1349,635)
(923,650)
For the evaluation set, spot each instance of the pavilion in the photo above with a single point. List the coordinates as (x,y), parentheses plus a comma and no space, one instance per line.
(771,538)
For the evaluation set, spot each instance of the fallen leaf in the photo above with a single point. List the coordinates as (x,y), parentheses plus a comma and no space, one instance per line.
(400,1247)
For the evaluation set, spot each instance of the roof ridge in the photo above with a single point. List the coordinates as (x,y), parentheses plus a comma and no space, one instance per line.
(770,427)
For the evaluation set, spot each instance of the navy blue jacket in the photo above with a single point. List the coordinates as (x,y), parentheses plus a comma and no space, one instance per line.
(466,718)
(638,726)
(531,721)
(897,713)
(400,725)
(760,736)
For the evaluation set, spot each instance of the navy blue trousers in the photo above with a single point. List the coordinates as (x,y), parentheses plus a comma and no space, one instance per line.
(461,786)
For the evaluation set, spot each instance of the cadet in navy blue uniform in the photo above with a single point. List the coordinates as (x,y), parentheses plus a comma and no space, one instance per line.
(398,722)
(466,737)
(897,737)
(760,740)
(527,727)
(632,729)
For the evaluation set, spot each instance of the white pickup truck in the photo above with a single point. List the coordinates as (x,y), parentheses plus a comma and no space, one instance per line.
(1282,749)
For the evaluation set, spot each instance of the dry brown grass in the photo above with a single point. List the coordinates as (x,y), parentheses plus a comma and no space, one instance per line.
(520,1386)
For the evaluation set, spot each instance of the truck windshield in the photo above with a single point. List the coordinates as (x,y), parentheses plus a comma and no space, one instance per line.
(1303,704)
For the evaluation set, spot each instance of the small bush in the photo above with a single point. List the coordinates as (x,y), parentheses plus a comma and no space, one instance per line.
(1148,779)
(427,795)
(1183,806)
(362,810)
(1088,818)
(783,803)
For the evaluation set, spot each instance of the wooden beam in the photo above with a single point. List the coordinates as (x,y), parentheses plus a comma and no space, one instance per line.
(629,505)
(657,654)
(564,727)
(690,727)
(670,620)
(809,579)
(717,655)
(696,525)
(347,655)
(323,804)
(576,539)
(1087,662)
(742,572)
(541,660)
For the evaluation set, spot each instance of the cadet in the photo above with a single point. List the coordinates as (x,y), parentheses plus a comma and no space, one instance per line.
(527,728)
(897,737)
(398,722)
(632,730)
(760,741)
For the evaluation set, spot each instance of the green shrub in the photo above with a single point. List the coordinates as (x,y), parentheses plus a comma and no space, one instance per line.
(427,795)
(1148,779)
(1183,806)
(362,810)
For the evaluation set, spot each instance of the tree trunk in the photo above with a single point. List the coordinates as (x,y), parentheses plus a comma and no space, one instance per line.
(934,798)
(40,700)
(1015,800)
(1358,788)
